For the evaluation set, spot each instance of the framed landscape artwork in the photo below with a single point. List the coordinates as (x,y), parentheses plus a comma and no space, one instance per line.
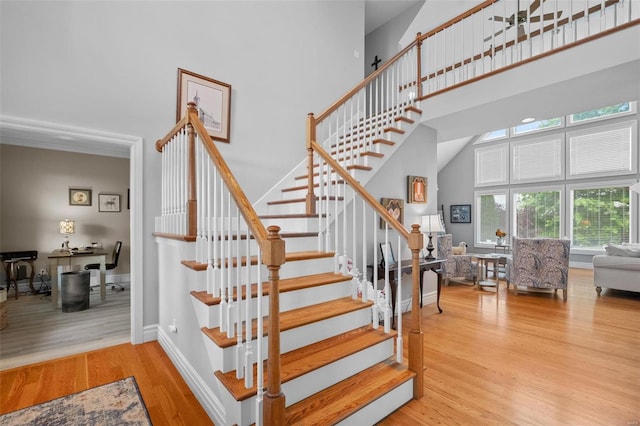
(416,190)
(395,207)
(461,213)
(212,99)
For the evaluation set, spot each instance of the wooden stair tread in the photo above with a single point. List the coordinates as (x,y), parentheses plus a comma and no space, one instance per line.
(394,130)
(404,119)
(289,257)
(315,185)
(384,141)
(293,318)
(289,216)
(287,284)
(301,200)
(413,109)
(311,357)
(339,401)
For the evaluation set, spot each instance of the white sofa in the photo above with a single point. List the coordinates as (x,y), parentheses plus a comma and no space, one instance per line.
(618,269)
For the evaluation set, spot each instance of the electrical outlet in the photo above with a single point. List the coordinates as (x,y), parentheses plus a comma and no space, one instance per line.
(173,327)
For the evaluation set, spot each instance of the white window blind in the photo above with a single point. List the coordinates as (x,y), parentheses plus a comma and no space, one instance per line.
(537,160)
(605,150)
(492,165)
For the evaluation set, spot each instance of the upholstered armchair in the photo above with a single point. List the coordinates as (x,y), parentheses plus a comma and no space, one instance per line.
(539,263)
(455,266)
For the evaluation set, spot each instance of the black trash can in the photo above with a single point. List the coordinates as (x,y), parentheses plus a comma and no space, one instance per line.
(75,291)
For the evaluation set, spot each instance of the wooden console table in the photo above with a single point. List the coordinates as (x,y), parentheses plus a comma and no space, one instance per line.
(65,258)
(406,266)
(9,261)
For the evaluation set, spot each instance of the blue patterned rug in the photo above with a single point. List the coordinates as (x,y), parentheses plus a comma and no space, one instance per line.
(117,403)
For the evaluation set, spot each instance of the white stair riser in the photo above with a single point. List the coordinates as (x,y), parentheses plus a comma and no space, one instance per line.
(224,359)
(209,316)
(381,407)
(301,224)
(306,267)
(315,381)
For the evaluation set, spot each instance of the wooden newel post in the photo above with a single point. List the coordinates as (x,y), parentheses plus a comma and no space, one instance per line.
(416,348)
(192,201)
(273,255)
(311,136)
(419,62)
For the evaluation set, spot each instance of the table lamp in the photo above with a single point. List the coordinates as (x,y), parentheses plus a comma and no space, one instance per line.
(67,227)
(431,223)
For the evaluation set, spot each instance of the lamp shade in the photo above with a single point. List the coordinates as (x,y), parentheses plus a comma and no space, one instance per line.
(431,223)
(67,227)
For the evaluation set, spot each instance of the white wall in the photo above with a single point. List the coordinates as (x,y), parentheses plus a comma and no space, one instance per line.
(112,66)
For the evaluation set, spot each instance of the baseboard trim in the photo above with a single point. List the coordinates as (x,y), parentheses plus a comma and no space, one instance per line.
(581,265)
(202,392)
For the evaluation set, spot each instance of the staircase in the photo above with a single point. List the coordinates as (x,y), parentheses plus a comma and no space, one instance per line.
(337,364)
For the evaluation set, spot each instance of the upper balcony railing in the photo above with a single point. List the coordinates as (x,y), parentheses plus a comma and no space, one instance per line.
(500,34)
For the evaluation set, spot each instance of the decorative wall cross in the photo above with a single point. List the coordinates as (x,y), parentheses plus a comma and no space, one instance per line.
(375,63)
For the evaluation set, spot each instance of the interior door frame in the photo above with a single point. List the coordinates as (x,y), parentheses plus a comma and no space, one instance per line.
(38,134)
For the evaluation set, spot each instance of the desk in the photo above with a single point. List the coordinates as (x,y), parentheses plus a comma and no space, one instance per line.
(57,259)
(406,266)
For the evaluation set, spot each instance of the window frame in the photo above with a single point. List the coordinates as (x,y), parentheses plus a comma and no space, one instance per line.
(477,207)
(515,134)
(597,129)
(539,188)
(633,212)
(632,111)
(531,141)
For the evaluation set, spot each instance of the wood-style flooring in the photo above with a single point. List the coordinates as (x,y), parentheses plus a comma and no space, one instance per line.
(166,396)
(529,359)
(37,332)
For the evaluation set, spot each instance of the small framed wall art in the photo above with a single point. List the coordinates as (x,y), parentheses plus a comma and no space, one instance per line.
(79,197)
(212,99)
(416,190)
(109,203)
(461,213)
(393,206)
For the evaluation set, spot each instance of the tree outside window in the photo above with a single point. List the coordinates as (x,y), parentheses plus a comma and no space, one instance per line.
(537,214)
(600,216)
(493,215)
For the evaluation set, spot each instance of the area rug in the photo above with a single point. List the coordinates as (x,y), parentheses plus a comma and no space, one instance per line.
(117,403)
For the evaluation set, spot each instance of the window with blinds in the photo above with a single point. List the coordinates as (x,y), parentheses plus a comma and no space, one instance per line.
(605,150)
(492,165)
(537,160)
(537,213)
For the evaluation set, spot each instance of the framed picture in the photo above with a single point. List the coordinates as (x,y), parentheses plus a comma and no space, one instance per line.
(212,99)
(109,203)
(79,197)
(460,213)
(386,251)
(395,207)
(416,190)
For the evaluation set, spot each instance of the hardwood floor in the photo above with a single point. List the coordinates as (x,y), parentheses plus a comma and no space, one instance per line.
(36,332)
(167,397)
(528,359)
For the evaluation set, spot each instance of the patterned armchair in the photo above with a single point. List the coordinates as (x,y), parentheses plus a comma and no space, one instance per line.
(539,263)
(454,266)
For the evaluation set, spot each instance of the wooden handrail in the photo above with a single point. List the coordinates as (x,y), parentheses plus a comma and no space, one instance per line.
(355,185)
(531,59)
(160,143)
(246,209)
(363,83)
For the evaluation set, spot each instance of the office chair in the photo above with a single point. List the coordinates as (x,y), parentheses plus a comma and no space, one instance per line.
(108,266)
